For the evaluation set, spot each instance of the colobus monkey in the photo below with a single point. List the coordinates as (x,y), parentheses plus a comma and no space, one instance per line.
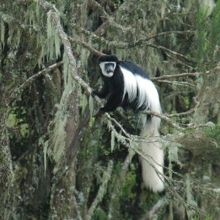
(128,86)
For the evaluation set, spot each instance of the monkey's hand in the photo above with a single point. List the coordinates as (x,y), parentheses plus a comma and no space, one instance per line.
(98,94)
(94,93)
(99,113)
(102,94)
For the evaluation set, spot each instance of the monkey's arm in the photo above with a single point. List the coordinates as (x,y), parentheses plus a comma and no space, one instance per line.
(112,103)
(103,92)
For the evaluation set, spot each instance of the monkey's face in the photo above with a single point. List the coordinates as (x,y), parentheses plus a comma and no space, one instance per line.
(107,68)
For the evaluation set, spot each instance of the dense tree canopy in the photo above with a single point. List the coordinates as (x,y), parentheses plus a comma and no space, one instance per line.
(57,161)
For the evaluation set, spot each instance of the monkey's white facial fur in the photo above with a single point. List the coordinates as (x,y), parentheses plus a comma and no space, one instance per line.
(107,68)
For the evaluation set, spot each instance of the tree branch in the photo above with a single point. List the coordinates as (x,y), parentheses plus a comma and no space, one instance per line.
(180,75)
(166,119)
(102,190)
(154,212)
(176,54)
(140,41)
(30,80)
(87,46)
(109,18)
(195,74)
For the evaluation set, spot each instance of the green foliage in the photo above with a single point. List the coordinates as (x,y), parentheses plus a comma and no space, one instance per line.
(30,40)
(128,191)
(208,35)
(53,40)
(100,214)
(16,120)
(214,132)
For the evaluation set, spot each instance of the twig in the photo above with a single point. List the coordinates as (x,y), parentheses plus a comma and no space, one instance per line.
(190,111)
(195,74)
(102,40)
(165,118)
(102,190)
(129,143)
(76,205)
(126,163)
(162,34)
(176,54)
(153,213)
(118,125)
(177,83)
(109,18)
(123,45)
(87,46)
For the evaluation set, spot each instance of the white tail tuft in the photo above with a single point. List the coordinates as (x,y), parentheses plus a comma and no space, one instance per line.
(152,164)
(143,89)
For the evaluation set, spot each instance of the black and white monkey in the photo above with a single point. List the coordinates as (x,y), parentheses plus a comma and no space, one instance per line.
(128,86)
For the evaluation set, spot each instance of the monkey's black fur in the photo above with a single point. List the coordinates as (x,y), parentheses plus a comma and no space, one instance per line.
(128,86)
(113,87)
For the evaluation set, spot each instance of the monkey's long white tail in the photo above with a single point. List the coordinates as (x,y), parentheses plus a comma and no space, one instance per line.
(152,164)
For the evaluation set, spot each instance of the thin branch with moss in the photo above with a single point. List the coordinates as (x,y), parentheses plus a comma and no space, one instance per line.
(141,40)
(102,190)
(110,19)
(154,212)
(31,79)
(87,46)
(124,45)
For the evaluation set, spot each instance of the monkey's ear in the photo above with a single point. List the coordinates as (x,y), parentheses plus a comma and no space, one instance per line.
(107,52)
(103,53)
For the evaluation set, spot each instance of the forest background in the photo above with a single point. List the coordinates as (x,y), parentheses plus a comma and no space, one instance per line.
(56,160)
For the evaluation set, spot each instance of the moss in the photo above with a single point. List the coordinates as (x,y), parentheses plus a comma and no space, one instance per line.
(11,120)
(100,214)
(214,133)
(128,191)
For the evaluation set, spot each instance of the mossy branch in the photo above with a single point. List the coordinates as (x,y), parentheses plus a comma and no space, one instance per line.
(110,19)
(102,190)
(31,79)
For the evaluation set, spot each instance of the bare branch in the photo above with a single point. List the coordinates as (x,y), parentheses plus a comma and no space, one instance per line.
(109,18)
(76,205)
(123,45)
(195,74)
(176,54)
(177,83)
(180,75)
(140,41)
(165,118)
(87,46)
(190,111)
